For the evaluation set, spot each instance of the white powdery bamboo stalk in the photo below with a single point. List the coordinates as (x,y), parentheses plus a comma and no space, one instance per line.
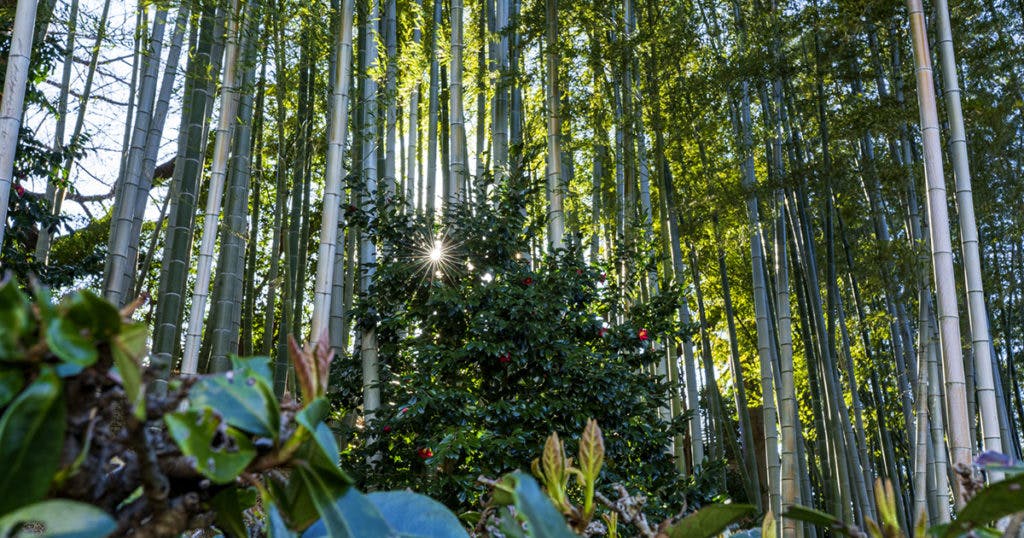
(977,315)
(335,172)
(941,246)
(211,216)
(13,105)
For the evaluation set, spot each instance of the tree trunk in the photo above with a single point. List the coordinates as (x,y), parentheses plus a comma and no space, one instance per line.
(941,248)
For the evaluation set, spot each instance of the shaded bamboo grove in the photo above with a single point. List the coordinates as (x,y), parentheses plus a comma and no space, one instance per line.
(834,186)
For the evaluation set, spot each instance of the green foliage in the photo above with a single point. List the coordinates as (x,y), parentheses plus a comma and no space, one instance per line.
(77,421)
(989,504)
(57,519)
(710,520)
(484,353)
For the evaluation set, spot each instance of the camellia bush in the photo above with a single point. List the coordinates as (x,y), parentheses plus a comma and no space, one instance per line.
(484,353)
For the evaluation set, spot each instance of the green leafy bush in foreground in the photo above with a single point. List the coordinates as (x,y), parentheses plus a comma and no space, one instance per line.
(90,450)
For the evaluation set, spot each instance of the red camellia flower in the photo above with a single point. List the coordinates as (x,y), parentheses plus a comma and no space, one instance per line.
(506,358)
(527,281)
(603,276)
(579,271)
(387,429)
(425,453)
(643,335)
(403,410)
(19,189)
(602,331)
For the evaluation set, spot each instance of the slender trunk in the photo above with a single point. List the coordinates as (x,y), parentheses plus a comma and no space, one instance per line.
(941,248)
(981,344)
(115,288)
(368,250)
(457,166)
(218,173)
(43,241)
(556,216)
(749,460)
(336,143)
(196,111)
(226,304)
(432,118)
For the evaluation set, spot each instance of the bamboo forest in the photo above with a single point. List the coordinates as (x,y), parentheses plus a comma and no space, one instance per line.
(512,268)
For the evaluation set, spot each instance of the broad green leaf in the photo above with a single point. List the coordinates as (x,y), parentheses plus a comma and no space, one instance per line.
(71,342)
(86,309)
(229,505)
(15,318)
(412,513)
(128,348)
(58,518)
(321,450)
(816,517)
(31,438)
(710,520)
(220,453)
(243,398)
(11,382)
(991,503)
(259,365)
(543,520)
(342,515)
(293,501)
(276,527)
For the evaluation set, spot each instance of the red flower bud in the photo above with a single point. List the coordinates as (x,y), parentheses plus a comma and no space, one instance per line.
(579,271)
(603,276)
(19,189)
(643,335)
(602,331)
(527,281)
(403,410)
(387,429)
(425,453)
(506,358)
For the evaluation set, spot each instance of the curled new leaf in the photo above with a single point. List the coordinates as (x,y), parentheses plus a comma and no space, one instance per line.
(312,365)
(591,451)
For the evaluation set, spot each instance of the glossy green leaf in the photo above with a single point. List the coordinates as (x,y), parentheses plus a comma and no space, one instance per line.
(345,515)
(220,453)
(320,451)
(11,382)
(995,501)
(15,318)
(229,506)
(260,365)
(710,520)
(243,398)
(128,348)
(276,527)
(58,518)
(86,309)
(816,517)
(412,513)
(31,438)
(71,342)
(542,518)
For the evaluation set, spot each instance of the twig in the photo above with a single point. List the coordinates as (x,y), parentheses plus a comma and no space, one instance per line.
(628,509)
